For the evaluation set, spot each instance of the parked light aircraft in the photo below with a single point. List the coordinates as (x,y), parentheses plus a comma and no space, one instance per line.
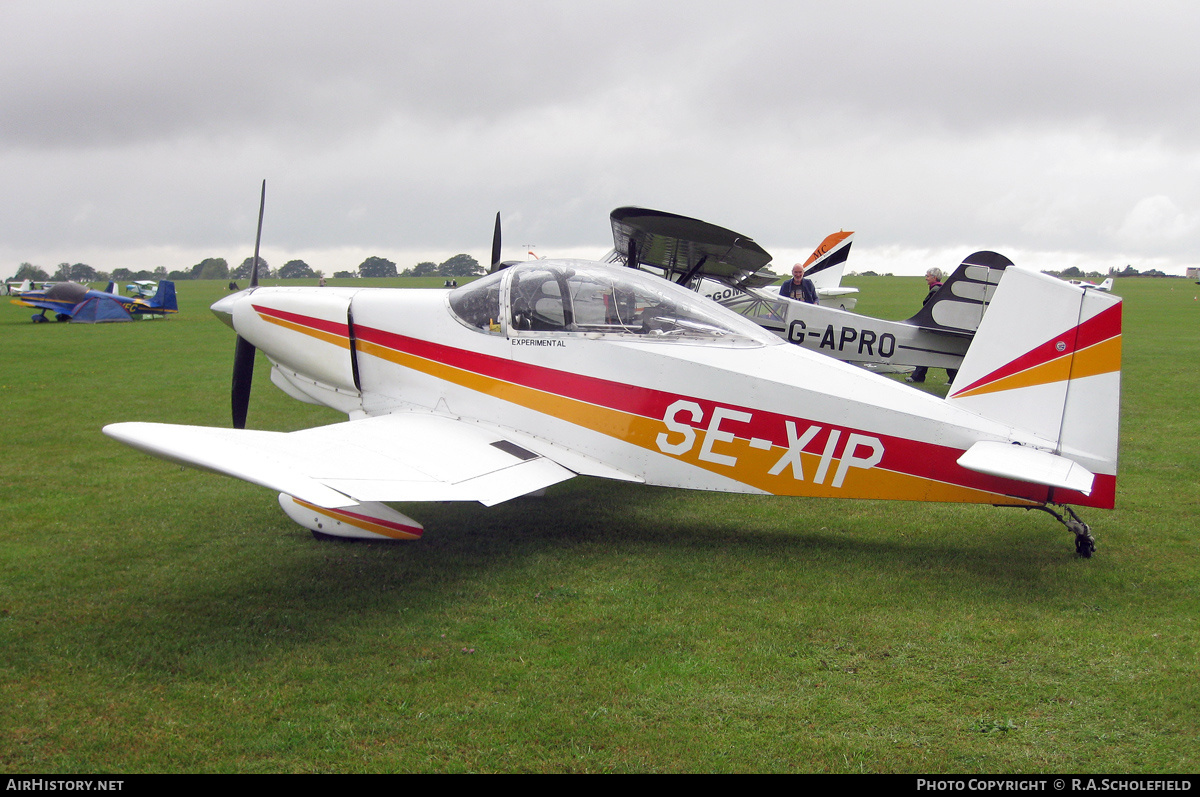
(65,298)
(550,369)
(1105,286)
(729,268)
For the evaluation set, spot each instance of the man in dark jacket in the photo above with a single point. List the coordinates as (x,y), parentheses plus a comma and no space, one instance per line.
(798,287)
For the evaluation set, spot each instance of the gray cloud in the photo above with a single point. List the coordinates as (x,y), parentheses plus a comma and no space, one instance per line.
(138,127)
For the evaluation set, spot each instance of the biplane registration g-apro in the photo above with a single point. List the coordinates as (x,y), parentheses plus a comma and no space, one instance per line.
(553,368)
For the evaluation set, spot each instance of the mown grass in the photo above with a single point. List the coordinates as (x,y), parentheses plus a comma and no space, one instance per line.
(158,619)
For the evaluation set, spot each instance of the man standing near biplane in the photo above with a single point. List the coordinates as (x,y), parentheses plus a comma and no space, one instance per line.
(798,287)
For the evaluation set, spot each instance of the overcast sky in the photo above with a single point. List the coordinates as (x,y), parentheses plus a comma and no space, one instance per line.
(135,134)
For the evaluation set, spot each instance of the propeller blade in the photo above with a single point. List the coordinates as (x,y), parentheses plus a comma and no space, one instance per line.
(496,244)
(243,354)
(262,203)
(243,377)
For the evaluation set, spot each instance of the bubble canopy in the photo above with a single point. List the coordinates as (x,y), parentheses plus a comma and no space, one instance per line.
(581,297)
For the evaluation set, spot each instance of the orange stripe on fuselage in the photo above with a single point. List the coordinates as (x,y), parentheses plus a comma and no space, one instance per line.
(753,464)
(329,337)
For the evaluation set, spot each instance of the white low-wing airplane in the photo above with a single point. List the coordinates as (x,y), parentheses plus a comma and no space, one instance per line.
(552,368)
(1105,286)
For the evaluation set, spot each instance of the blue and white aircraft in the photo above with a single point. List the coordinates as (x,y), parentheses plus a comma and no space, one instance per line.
(66,299)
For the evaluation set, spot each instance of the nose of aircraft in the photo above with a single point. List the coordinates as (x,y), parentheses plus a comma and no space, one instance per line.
(223,308)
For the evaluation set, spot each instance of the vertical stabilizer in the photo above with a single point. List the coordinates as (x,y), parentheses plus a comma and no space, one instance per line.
(1047,360)
(827,262)
(164,297)
(960,303)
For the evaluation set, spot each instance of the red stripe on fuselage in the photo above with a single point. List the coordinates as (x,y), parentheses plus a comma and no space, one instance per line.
(902,455)
(332,327)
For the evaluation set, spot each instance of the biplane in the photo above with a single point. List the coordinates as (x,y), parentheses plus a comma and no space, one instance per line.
(731,268)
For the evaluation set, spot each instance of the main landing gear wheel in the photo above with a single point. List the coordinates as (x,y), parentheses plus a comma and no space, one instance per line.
(1085,543)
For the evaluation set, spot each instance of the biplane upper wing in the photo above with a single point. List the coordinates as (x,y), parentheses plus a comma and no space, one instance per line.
(683,248)
(405,456)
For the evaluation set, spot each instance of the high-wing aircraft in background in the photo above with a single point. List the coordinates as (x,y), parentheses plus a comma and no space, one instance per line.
(729,268)
(66,299)
(144,289)
(549,369)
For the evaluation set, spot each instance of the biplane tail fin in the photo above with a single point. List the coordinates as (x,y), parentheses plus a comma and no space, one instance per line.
(1047,360)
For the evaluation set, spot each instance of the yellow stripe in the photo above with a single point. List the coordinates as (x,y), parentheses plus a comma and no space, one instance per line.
(329,337)
(361,523)
(1101,358)
(753,466)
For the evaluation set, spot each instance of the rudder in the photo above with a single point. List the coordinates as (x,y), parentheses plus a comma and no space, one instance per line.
(1064,382)
(164,297)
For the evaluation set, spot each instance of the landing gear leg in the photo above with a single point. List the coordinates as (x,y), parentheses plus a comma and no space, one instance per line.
(1085,543)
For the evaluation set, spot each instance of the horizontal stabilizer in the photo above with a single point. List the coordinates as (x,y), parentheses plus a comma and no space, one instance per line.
(1027,464)
(401,457)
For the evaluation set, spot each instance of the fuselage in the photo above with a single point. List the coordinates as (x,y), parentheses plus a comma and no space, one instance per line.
(648,381)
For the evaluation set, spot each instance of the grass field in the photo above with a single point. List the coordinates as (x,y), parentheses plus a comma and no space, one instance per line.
(159,619)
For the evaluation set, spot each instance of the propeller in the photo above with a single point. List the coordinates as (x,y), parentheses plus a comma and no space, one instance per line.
(496,245)
(243,355)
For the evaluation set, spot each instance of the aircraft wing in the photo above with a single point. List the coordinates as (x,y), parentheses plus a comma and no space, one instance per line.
(683,248)
(399,457)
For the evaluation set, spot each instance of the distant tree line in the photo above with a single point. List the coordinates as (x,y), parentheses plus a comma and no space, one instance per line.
(458,266)
(461,265)
(1074,273)
(217,268)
